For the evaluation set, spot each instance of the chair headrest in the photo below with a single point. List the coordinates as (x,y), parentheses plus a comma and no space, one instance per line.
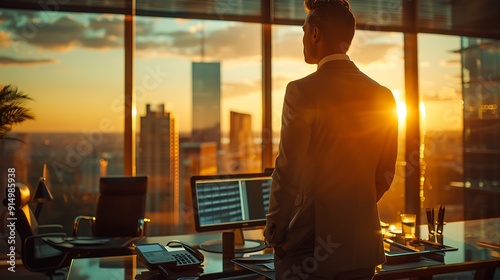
(21,193)
(123,185)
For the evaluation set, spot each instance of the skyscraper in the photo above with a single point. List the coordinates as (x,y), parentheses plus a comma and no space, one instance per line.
(206,86)
(242,151)
(158,157)
(197,159)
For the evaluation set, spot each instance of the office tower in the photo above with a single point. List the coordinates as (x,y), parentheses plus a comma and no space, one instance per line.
(158,157)
(481,94)
(241,148)
(197,159)
(206,86)
(103,167)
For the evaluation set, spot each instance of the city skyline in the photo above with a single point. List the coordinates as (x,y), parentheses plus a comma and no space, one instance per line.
(66,72)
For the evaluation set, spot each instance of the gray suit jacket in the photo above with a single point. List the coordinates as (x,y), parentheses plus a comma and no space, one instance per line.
(336,159)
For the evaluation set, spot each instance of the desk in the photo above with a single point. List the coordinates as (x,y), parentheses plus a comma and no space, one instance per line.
(469,257)
(463,235)
(127,267)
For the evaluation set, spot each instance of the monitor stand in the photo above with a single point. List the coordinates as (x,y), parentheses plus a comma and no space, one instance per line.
(241,245)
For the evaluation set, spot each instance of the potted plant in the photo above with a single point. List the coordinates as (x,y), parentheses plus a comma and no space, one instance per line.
(12,109)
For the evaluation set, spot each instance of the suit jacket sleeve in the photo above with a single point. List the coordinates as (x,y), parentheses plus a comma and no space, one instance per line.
(295,137)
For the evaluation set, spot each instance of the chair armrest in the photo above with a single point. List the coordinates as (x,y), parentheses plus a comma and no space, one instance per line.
(32,238)
(141,226)
(31,248)
(77,220)
(52,228)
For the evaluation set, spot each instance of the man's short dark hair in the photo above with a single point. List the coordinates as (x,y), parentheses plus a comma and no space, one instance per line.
(334,17)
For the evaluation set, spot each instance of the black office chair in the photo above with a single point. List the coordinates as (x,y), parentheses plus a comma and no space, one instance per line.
(120,210)
(37,255)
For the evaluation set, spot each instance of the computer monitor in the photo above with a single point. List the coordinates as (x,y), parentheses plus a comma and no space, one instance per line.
(231,202)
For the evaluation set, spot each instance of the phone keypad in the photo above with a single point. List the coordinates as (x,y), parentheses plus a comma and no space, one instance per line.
(184,259)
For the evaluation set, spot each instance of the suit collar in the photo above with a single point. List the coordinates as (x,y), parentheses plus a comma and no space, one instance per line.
(333,64)
(336,56)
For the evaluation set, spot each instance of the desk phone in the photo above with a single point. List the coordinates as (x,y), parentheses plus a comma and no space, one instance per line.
(175,255)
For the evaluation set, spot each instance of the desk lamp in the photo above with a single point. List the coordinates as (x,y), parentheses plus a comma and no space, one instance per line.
(42,194)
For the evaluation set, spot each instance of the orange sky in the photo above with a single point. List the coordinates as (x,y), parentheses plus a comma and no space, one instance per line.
(76,78)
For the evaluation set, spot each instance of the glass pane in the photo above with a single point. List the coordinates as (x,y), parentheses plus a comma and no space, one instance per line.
(378,54)
(199,95)
(481,94)
(71,64)
(441,125)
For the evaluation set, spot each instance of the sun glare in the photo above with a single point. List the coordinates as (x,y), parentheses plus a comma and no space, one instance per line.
(401,105)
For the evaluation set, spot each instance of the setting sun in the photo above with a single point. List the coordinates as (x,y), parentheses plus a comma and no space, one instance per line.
(400,102)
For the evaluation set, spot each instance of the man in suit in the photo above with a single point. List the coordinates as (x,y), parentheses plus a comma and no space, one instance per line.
(336,159)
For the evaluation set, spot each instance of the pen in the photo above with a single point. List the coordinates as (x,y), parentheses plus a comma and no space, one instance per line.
(440,220)
(430,222)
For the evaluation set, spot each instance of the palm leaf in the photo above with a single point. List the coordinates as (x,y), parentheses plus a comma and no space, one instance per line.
(12,109)
(11,94)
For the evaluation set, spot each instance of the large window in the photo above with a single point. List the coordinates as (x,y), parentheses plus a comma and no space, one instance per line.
(441,125)
(71,64)
(198,86)
(481,95)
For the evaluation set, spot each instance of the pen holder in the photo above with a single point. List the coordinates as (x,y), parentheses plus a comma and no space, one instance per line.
(435,227)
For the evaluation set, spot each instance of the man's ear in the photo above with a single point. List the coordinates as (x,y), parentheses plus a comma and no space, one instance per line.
(316,34)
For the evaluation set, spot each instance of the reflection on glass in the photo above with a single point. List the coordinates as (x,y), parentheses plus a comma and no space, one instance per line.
(57,59)
(481,94)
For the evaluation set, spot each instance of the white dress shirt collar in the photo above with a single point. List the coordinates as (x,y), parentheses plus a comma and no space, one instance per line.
(335,56)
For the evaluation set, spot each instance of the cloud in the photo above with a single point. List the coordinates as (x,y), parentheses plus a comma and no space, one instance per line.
(144,27)
(289,45)
(149,45)
(234,89)
(241,40)
(234,42)
(184,39)
(107,33)
(112,26)
(9,61)
(103,43)
(372,52)
(61,35)
(64,33)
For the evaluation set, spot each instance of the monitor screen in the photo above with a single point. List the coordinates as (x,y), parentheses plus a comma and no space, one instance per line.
(235,201)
